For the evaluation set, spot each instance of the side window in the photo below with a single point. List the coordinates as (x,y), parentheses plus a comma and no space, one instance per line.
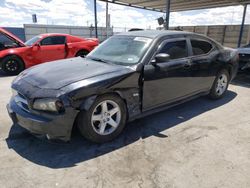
(201,47)
(55,40)
(175,49)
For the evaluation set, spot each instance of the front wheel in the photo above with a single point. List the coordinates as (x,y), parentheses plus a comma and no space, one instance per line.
(12,65)
(220,85)
(105,119)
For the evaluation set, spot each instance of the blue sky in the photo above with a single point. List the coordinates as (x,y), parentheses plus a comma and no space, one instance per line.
(80,12)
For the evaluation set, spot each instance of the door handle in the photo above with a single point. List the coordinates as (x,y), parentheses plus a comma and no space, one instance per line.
(188,64)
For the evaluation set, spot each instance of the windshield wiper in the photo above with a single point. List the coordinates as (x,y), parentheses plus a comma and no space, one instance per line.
(100,60)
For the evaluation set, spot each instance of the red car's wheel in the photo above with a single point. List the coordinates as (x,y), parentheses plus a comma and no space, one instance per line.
(12,65)
(82,53)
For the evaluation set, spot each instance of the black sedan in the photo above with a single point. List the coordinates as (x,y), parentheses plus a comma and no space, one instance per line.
(128,76)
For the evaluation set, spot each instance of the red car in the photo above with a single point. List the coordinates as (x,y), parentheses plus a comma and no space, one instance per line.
(15,55)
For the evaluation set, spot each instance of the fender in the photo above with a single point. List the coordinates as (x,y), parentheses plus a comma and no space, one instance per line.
(130,96)
(125,86)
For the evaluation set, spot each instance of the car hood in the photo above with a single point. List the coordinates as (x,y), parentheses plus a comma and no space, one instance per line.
(58,74)
(12,37)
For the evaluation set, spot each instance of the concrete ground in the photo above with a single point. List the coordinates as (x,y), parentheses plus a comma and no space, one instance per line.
(200,144)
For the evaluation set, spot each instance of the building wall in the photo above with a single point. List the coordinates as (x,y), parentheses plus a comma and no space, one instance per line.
(17,31)
(32,30)
(227,35)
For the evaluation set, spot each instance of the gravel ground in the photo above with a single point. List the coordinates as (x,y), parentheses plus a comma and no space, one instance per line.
(201,143)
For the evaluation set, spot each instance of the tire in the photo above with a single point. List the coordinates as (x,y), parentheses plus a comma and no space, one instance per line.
(12,65)
(82,53)
(220,85)
(100,125)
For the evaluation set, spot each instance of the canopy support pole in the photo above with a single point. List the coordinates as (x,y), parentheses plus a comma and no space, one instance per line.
(167,14)
(242,25)
(95,11)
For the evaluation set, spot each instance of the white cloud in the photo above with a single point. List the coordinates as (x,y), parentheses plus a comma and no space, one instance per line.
(217,16)
(125,17)
(67,12)
(77,12)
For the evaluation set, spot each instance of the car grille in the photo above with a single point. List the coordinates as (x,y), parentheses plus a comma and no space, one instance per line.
(22,102)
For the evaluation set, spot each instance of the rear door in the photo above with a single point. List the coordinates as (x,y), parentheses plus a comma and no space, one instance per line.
(204,55)
(170,81)
(51,48)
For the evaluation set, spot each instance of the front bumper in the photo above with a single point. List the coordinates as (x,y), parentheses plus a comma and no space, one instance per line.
(53,126)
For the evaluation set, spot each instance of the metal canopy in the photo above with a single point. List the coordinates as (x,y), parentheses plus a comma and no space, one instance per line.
(178,5)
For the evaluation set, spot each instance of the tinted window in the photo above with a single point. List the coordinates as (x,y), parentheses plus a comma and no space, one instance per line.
(201,47)
(53,40)
(175,49)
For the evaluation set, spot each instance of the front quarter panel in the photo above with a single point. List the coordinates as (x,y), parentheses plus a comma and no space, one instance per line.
(123,83)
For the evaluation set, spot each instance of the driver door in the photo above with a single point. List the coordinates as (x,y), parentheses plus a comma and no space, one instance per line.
(51,48)
(167,82)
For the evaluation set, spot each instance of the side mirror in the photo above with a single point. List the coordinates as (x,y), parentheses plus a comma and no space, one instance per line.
(37,45)
(161,58)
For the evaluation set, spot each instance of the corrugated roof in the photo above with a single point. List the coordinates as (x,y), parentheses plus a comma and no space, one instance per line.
(178,5)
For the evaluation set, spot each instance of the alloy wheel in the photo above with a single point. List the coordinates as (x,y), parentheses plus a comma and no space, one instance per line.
(11,65)
(106,117)
(221,84)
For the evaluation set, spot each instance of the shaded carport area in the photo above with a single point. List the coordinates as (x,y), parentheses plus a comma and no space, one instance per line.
(167,6)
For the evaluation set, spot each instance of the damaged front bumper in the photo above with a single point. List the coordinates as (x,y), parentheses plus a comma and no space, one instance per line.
(53,126)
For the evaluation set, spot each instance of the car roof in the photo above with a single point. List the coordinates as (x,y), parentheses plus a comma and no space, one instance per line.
(54,34)
(154,33)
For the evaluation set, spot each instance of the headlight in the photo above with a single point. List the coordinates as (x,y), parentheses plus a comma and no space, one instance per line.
(14,92)
(52,105)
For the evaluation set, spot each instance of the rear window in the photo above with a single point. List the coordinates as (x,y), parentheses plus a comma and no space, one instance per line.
(201,47)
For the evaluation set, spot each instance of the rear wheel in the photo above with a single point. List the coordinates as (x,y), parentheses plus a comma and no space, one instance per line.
(12,65)
(82,53)
(220,85)
(105,119)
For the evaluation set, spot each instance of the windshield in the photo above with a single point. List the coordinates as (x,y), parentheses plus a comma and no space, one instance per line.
(123,50)
(6,42)
(32,40)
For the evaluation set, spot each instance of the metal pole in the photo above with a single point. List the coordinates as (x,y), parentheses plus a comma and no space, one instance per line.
(96,34)
(242,25)
(167,14)
(107,18)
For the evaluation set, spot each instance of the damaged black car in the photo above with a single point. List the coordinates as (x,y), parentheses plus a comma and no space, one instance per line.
(128,76)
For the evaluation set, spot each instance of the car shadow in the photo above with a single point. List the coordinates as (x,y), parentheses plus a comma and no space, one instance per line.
(62,155)
(3,74)
(242,79)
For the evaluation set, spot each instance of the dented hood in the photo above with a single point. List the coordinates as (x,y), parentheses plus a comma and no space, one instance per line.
(57,74)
